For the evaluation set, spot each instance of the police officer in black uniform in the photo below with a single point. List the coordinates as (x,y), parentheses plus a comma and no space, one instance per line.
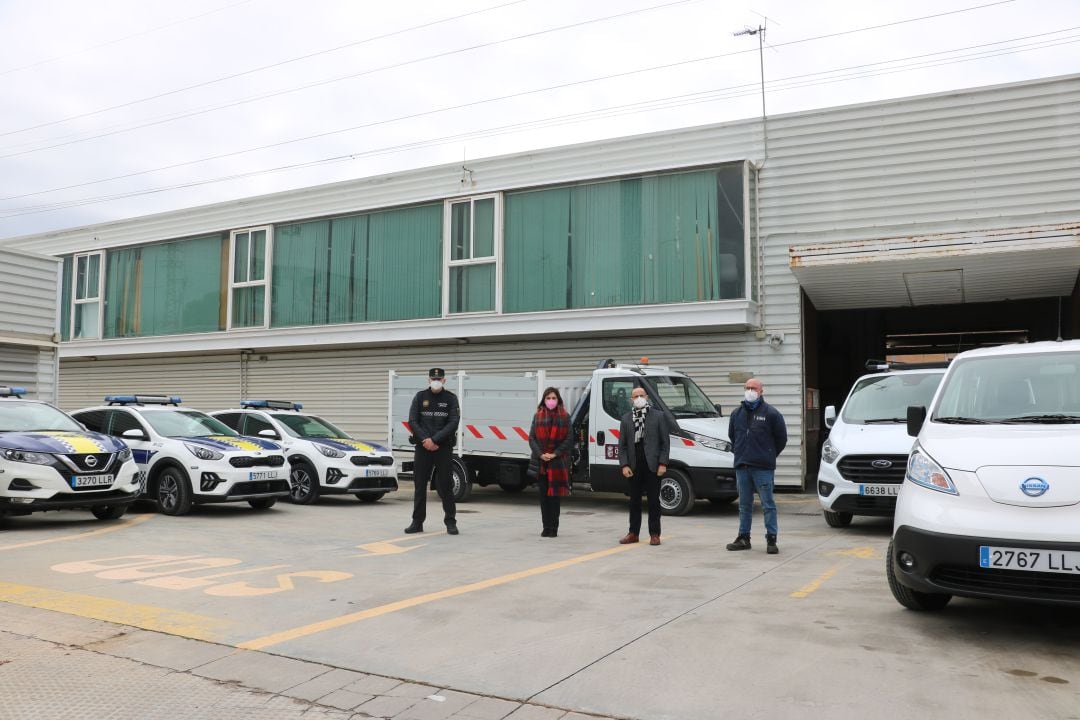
(433,419)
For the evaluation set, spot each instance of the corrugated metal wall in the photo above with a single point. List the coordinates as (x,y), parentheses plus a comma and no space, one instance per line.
(28,298)
(350,387)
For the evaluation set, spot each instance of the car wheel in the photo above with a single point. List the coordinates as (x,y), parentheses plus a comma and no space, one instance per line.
(837,519)
(303,484)
(173,492)
(461,481)
(262,503)
(369,497)
(676,493)
(912,599)
(109,512)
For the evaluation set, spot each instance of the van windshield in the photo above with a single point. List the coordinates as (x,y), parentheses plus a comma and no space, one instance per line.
(681,395)
(885,398)
(1008,389)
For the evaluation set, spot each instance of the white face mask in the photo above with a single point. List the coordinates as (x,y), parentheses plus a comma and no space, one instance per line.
(640,402)
(436,385)
(751,396)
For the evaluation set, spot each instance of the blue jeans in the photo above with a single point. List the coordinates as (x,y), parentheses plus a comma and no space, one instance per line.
(749,479)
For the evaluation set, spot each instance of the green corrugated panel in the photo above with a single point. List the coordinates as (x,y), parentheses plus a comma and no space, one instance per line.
(347,287)
(536,242)
(405,256)
(299,266)
(65,300)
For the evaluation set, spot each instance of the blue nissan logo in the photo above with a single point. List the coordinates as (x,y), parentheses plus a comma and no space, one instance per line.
(1034,487)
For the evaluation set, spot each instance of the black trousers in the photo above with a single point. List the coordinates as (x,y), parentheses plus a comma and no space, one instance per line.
(644,481)
(425,462)
(549,506)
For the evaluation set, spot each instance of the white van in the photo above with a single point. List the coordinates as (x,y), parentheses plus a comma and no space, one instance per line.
(990,507)
(865,456)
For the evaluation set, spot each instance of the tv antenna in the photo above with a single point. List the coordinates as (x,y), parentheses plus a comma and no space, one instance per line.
(760,32)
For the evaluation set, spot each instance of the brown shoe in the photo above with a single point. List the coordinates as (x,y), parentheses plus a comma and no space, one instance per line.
(629,538)
(654,539)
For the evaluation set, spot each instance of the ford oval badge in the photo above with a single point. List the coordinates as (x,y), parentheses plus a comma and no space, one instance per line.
(1034,487)
(882,464)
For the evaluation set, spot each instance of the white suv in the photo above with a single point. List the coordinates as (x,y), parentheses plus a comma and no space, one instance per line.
(991,502)
(323,460)
(49,462)
(188,457)
(864,458)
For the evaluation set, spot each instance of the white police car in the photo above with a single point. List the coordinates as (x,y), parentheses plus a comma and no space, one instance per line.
(49,462)
(323,459)
(188,457)
(865,456)
(991,502)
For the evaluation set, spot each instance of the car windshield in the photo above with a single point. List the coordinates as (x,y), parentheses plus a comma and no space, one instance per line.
(886,398)
(27,416)
(185,423)
(682,396)
(1029,388)
(308,426)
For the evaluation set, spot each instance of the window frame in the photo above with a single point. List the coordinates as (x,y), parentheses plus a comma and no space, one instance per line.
(98,298)
(265,282)
(494,259)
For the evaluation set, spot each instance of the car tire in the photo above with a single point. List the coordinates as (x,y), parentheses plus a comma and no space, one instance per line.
(263,503)
(676,493)
(303,483)
(173,492)
(461,481)
(109,512)
(912,599)
(369,497)
(837,519)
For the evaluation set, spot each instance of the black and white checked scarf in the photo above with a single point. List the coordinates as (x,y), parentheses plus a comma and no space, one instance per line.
(639,423)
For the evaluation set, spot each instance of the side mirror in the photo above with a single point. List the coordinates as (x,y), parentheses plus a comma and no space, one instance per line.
(719,409)
(916,416)
(830,415)
(134,434)
(268,433)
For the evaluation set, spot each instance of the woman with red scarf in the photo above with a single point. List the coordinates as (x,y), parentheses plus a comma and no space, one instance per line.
(551,441)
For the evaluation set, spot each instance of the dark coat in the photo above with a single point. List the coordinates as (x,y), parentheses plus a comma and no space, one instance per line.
(757,435)
(435,415)
(657,440)
(562,451)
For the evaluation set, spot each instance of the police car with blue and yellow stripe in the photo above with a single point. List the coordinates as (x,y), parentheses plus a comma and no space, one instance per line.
(188,457)
(323,459)
(49,462)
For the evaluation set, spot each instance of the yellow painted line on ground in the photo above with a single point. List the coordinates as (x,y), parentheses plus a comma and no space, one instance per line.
(305,630)
(817,582)
(863,553)
(390,547)
(112,527)
(147,617)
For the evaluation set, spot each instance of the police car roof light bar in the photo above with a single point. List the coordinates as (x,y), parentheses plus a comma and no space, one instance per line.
(272,404)
(143,399)
(886,365)
(11,391)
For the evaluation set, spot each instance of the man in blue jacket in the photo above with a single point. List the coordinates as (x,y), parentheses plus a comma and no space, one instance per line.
(758,434)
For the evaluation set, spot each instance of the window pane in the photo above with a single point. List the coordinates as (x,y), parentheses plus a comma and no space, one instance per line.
(459,231)
(65,300)
(86,321)
(93,276)
(240,258)
(616,396)
(258,256)
(248,305)
(405,253)
(80,277)
(122,421)
(472,288)
(254,425)
(484,228)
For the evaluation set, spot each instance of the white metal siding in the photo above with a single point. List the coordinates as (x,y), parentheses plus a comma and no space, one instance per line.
(29,367)
(204,382)
(28,321)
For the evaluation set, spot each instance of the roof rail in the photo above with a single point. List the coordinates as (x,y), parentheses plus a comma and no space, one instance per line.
(11,391)
(272,404)
(143,399)
(886,365)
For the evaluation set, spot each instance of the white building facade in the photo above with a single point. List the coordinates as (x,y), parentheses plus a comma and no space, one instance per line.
(29,323)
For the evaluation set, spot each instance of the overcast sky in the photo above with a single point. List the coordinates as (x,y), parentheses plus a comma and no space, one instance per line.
(183,98)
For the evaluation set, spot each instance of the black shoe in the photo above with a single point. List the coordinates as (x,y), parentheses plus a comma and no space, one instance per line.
(770,545)
(741,543)
(554,533)
(546,533)
(414,528)
(451,530)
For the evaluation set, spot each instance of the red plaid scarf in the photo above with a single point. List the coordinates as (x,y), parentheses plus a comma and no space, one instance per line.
(552,427)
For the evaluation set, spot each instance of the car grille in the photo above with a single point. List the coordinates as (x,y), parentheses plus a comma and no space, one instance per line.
(90,462)
(258,487)
(378,460)
(245,461)
(1008,583)
(373,484)
(860,468)
(860,503)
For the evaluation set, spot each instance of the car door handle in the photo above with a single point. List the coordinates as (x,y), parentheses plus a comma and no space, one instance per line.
(600,437)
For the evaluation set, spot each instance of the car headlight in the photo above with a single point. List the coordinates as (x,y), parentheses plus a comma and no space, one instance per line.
(711,442)
(922,470)
(203,453)
(28,457)
(329,451)
(829,453)
(124,455)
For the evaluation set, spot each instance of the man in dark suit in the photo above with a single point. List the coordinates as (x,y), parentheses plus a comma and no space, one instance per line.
(644,444)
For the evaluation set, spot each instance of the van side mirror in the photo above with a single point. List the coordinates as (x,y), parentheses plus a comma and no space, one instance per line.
(830,415)
(916,416)
(134,434)
(719,409)
(268,433)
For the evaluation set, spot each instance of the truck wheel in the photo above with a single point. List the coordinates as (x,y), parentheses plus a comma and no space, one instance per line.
(912,599)
(173,492)
(676,493)
(109,512)
(837,519)
(262,503)
(303,484)
(461,481)
(369,497)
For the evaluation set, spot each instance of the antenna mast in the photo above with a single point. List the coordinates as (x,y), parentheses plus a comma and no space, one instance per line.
(760,32)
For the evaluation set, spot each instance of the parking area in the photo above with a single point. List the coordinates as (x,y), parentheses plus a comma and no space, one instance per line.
(574,623)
